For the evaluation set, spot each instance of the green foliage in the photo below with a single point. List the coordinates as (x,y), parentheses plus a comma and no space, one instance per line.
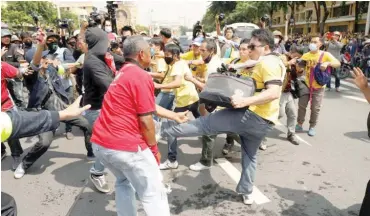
(69,15)
(22,9)
(15,17)
(140,28)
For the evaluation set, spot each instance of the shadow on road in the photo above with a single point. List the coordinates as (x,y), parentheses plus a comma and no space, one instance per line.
(308,203)
(359,135)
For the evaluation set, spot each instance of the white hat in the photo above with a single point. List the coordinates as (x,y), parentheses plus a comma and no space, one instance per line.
(76,32)
(14,38)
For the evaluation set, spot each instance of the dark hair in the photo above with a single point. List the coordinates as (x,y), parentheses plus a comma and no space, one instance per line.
(321,39)
(158,42)
(245,41)
(264,36)
(25,35)
(211,45)
(103,25)
(173,49)
(127,28)
(166,32)
(229,28)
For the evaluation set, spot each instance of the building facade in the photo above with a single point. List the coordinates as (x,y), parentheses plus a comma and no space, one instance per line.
(341,18)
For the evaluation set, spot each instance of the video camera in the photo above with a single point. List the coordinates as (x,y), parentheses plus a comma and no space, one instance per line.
(266,19)
(64,23)
(221,17)
(95,19)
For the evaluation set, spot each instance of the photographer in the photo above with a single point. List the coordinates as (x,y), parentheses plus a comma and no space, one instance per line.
(227,48)
(334,47)
(107,27)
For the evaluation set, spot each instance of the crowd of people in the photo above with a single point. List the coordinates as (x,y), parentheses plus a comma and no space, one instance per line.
(137,89)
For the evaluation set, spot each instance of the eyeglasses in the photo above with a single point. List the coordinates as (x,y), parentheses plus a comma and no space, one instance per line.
(253,46)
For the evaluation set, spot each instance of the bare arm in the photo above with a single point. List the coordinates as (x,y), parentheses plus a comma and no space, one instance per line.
(148,129)
(172,85)
(156,75)
(218,26)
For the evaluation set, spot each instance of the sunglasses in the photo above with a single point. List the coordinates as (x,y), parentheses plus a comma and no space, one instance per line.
(253,46)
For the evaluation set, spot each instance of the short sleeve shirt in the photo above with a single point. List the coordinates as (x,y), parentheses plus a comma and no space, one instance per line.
(268,71)
(312,60)
(7,72)
(130,95)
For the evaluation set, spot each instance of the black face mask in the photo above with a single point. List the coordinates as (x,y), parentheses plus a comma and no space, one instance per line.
(208,59)
(52,46)
(168,60)
(124,38)
(28,44)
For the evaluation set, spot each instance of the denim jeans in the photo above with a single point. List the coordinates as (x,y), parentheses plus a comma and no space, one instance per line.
(165,100)
(91,116)
(8,205)
(135,172)
(337,80)
(251,128)
(172,141)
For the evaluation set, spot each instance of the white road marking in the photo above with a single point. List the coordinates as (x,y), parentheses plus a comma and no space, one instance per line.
(259,197)
(355,98)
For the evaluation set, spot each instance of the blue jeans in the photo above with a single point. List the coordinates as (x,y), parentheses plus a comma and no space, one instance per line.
(337,80)
(165,100)
(91,116)
(135,172)
(251,128)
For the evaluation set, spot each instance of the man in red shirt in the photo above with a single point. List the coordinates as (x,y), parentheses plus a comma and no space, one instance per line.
(7,105)
(124,134)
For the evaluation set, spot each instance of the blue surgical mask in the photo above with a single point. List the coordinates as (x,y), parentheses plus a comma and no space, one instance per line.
(152,51)
(312,47)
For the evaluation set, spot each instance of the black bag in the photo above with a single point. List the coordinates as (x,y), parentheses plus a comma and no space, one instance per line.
(300,88)
(220,87)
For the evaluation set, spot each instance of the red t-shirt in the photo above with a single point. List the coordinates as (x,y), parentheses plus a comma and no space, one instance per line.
(7,72)
(130,95)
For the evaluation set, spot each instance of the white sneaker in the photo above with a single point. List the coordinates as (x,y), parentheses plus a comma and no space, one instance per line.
(198,167)
(19,172)
(100,183)
(248,199)
(168,165)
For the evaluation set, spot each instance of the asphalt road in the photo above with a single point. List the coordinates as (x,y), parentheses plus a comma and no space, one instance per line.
(325,176)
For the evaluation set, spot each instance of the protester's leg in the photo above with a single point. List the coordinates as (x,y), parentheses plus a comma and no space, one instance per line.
(97,169)
(302,107)
(317,97)
(328,85)
(365,207)
(69,134)
(194,108)
(282,105)
(3,150)
(368,125)
(8,205)
(38,149)
(223,121)
(84,125)
(15,147)
(208,143)
(15,87)
(291,112)
(255,132)
(140,171)
(337,80)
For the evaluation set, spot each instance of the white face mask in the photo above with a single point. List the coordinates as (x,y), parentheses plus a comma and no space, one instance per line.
(312,47)
(108,29)
(276,40)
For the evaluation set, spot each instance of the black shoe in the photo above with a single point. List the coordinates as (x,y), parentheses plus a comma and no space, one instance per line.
(3,155)
(227,148)
(90,155)
(293,139)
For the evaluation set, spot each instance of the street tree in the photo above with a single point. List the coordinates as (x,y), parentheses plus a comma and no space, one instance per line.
(15,18)
(321,21)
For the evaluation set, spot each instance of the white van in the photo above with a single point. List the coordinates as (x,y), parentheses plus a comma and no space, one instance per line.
(242,30)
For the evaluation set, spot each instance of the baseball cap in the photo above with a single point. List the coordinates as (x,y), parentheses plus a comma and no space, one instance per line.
(277,33)
(5,32)
(52,34)
(197,41)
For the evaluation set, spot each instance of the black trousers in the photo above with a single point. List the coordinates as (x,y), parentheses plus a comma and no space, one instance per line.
(368,125)
(46,138)
(8,205)
(193,108)
(365,207)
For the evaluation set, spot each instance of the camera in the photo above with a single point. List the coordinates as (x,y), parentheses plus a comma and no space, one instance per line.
(265,18)
(197,30)
(64,23)
(221,17)
(95,18)
(35,17)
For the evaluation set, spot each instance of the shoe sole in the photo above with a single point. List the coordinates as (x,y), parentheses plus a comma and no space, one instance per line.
(98,188)
(168,168)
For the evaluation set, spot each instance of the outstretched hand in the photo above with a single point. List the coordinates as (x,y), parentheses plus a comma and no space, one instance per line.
(73,110)
(181,117)
(359,78)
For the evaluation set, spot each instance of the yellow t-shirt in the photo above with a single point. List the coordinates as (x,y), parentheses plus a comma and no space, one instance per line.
(197,70)
(160,65)
(312,60)
(268,69)
(186,94)
(6,126)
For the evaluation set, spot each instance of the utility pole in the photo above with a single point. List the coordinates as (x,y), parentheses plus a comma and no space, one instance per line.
(367,21)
